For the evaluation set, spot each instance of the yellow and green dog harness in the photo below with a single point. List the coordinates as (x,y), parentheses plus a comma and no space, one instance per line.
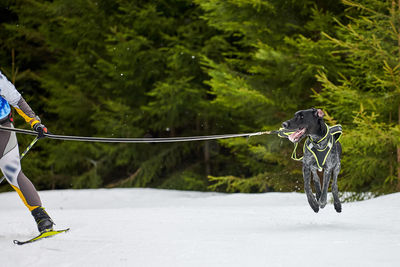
(320,154)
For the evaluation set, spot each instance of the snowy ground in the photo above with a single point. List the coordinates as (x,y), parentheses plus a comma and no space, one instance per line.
(146,227)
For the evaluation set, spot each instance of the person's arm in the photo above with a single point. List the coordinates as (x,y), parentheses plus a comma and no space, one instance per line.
(14,98)
(26,112)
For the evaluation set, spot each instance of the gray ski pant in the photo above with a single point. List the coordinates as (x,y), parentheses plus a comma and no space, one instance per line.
(10,165)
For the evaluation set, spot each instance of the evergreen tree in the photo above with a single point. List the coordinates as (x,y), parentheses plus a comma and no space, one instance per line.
(23,53)
(365,98)
(264,81)
(123,68)
(179,68)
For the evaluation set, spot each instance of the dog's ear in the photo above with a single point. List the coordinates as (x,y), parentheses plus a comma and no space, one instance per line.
(319,113)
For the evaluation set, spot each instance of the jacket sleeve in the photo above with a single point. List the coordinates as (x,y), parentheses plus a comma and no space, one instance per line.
(14,98)
(26,112)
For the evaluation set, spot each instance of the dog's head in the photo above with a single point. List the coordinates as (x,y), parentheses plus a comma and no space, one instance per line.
(305,122)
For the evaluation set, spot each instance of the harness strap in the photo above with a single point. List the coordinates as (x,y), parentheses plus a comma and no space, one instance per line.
(320,155)
(285,133)
(334,133)
(294,154)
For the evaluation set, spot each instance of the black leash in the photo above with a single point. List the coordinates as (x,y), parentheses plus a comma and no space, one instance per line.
(136,140)
(126,140)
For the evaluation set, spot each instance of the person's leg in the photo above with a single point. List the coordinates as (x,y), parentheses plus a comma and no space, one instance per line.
(27,192)
(11,167)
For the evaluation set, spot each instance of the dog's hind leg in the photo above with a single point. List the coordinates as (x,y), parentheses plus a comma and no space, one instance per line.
(325,186)
(317,183)
(307,188)
(335,190)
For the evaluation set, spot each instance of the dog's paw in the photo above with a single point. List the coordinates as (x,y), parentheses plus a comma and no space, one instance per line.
(315,209)
(322,204)
(313,203)
(338,207)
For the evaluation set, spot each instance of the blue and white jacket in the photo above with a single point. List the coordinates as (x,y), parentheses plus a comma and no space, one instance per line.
(10,96)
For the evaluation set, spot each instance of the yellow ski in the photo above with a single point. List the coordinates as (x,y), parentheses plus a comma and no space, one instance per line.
(46,234)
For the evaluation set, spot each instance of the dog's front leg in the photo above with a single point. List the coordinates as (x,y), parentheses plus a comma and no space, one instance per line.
(307,188)
(325,186)
(335,190)
(317,183)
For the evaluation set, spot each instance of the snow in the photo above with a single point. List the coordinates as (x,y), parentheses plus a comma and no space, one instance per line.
(148,227)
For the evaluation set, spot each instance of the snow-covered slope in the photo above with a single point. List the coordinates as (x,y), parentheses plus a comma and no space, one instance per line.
(146,227)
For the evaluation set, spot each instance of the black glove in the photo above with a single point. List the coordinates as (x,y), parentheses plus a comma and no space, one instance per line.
(40,129)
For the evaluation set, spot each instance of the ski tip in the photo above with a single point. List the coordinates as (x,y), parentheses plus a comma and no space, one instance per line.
(45,234)
(55,231)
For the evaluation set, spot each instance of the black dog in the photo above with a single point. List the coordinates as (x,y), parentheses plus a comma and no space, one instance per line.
(322,151)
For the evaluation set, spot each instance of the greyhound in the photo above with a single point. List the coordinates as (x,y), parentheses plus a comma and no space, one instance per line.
(322,151)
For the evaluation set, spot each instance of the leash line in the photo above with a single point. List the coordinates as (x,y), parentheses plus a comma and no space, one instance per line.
(136,140)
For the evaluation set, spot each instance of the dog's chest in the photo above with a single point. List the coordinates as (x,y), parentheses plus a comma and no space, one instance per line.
(322,152)
(319,154)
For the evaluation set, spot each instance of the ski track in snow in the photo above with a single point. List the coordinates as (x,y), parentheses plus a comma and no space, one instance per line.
(149,227)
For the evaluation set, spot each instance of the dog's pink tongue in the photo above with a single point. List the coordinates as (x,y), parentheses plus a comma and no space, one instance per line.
(294,137)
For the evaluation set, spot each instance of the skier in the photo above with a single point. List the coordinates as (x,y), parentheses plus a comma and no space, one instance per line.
(9,154)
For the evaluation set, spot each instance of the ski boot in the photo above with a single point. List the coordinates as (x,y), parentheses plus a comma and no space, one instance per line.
(43,220)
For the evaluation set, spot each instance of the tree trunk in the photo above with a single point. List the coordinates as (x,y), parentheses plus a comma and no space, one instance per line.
(207,151)
(398,147)
(398,161)
(207,157)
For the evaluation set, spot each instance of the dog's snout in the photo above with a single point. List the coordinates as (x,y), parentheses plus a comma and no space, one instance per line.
(285,124)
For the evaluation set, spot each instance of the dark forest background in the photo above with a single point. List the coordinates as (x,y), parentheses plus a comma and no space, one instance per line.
(163,68)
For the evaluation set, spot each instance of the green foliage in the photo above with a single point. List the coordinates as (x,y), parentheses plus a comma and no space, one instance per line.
(364,99)
(189,179)
(263,81)
(165,68)
(117,68)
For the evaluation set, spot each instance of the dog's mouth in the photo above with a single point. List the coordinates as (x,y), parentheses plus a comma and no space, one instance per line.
(297,135)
